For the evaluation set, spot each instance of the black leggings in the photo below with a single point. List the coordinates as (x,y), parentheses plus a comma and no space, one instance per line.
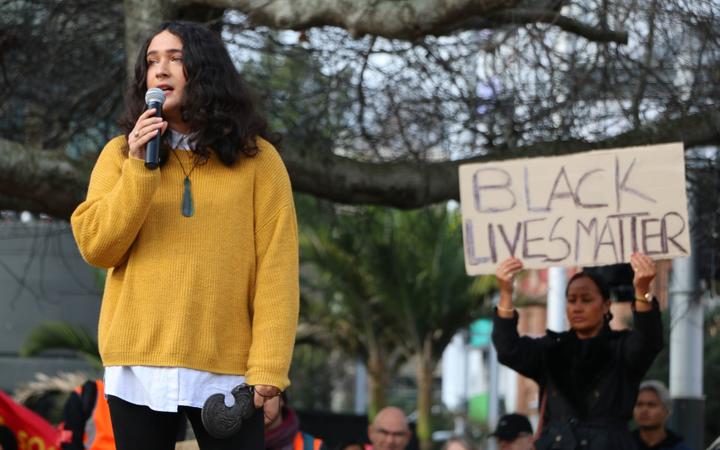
(138,427)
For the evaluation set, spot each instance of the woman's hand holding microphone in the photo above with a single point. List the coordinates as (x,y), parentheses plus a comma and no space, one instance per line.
(146,127)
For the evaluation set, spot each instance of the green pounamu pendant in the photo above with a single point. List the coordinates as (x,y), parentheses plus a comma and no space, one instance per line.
(188,209)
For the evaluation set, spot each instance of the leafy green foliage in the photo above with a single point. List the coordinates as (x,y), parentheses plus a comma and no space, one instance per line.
(62,335)
(420,263)
(392,283)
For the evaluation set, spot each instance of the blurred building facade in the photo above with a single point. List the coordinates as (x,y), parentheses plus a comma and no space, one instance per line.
(42,278)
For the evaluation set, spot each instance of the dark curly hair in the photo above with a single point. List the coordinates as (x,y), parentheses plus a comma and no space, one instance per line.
(217,103)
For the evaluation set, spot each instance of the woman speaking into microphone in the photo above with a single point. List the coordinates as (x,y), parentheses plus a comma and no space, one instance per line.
(202,284)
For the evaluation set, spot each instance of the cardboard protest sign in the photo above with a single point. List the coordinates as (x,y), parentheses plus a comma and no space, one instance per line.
(586,209)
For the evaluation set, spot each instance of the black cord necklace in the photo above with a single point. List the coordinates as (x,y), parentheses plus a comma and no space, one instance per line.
(188,207)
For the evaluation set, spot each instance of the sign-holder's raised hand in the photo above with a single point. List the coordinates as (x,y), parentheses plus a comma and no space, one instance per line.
(505,274)
(644,268)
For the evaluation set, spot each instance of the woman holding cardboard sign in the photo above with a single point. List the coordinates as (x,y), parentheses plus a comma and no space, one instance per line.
(589,375)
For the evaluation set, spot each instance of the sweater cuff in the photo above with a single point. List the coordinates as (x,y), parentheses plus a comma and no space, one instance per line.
(145,180)
(502,321)
(259,376)
(647,316)
(503,325)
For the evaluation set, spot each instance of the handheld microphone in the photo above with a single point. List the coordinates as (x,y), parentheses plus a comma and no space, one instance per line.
(154,98)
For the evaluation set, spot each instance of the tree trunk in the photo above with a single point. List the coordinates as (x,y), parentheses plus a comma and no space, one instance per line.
(377,381)
(141,17)
(424,374)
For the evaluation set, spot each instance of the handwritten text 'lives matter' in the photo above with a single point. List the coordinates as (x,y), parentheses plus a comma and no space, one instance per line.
(586,209)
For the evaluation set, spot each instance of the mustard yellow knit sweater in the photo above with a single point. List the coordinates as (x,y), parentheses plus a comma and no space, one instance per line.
(217,291)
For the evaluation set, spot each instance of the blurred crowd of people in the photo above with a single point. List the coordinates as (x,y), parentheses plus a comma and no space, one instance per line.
(86,426)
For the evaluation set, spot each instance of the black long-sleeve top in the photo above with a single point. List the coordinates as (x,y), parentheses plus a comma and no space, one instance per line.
(585,379)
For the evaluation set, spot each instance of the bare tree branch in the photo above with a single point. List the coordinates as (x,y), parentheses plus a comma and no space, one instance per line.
(403,19)
(140,18)
(526,16)
(56,188)
(400,19)
(410,185)
(38,181)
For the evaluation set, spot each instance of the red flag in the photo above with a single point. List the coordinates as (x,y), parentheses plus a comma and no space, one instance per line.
(31,431)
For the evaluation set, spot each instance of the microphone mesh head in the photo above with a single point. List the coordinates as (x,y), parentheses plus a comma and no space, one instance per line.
(154,95)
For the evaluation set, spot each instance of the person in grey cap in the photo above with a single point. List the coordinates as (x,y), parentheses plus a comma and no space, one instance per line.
(652,409)
(514,432)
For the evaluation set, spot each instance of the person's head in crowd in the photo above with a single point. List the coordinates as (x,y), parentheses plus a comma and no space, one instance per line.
(457,443)
(588,304)
(389,430)
(652,406)
(514,432)
(7,439)
(351,444)
(284,431)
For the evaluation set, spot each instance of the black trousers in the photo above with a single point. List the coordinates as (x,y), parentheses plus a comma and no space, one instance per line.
(138,427)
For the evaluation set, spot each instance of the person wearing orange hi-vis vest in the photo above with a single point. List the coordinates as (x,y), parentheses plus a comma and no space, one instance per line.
(86,419)
(284,432)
